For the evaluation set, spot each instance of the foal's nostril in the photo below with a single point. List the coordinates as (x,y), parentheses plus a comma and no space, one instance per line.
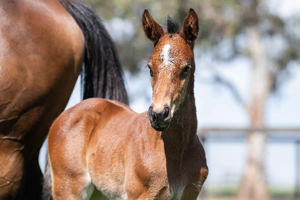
(151,114)
(166,112)
(154,116)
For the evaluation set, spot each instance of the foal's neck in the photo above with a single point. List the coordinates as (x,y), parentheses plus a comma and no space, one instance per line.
(183,127)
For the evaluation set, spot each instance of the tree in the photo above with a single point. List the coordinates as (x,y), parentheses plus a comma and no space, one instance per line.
(134,48)
(252,20)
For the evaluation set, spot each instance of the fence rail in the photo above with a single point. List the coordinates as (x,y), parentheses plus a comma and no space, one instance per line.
(279,134)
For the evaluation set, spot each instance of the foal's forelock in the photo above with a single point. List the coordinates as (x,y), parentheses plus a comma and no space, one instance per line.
(172,26)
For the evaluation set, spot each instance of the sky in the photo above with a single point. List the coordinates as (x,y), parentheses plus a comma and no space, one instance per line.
(216,107)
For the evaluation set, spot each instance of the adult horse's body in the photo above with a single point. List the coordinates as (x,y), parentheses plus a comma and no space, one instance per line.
(106,144)
(42,49)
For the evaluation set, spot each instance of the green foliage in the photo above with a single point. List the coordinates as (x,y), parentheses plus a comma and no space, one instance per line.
(220,20)
(137,47)
(230,192)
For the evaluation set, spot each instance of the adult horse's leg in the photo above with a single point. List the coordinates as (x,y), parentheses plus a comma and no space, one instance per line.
(32,179)
(101,74)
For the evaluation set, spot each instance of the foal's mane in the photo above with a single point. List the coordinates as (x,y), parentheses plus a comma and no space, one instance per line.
(172,26)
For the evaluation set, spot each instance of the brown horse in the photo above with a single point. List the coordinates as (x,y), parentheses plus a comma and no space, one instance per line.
(43,45)
(125,155)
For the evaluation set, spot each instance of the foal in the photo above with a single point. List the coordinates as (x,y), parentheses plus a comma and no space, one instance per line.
(125,155)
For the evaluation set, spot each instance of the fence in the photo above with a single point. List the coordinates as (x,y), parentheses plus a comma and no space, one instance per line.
(273,134)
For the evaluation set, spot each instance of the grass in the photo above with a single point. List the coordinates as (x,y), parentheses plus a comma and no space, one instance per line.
(221,192)
(230,192)
(226,193)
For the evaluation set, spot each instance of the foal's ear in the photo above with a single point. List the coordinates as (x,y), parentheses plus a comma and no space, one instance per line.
(152,29)
(190,27)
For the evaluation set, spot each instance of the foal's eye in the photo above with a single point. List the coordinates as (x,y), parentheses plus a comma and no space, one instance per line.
(151,72)
(185,71)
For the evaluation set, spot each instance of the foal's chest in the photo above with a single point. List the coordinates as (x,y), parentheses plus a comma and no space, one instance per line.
(165,182)
(173,185)
(177,185)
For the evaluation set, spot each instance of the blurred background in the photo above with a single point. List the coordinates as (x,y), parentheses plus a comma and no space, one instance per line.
(247,87)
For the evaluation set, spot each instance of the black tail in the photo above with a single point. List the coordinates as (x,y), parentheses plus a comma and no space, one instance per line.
(101,74)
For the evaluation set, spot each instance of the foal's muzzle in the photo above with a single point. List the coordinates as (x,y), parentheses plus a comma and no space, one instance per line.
(160,121)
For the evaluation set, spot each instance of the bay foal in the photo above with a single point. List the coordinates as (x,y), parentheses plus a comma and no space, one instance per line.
(125,155)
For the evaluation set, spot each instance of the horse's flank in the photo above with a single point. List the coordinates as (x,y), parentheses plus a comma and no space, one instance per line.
(39,61)
(42,49)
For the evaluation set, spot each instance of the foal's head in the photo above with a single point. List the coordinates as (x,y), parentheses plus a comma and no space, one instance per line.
(171,66)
